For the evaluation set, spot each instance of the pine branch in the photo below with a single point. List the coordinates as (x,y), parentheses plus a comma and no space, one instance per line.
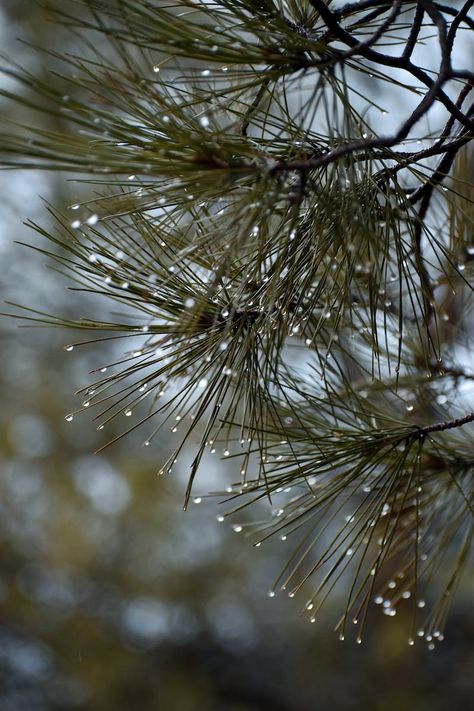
(449,425)
(292,281)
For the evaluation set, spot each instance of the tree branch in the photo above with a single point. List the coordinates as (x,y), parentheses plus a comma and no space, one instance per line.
(448,425)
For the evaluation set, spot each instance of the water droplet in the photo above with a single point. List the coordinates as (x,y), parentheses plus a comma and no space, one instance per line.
(220,518)
(237,527)
(93,220)
(197,500)
(271,593)
(206,73)
(69,418)
(128,413)
(69,348)
(156,68)
(204,121)
(75,224)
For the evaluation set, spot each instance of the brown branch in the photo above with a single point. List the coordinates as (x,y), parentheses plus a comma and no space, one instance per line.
(358,7)
(414,32)
(253,107)
(400,62)
(435,86)
(358,48)
(448,425)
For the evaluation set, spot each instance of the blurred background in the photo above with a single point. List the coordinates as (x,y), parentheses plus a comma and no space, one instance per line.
(110,596)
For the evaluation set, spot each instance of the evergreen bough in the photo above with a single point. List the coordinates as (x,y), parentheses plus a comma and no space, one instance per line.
(294,260)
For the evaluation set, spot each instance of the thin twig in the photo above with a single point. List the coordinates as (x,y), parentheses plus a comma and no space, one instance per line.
(448,425)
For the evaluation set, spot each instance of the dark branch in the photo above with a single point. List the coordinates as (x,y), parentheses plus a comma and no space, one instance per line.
(448,425)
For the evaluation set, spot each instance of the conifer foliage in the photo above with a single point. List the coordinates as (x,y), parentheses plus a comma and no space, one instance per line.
(281,214)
